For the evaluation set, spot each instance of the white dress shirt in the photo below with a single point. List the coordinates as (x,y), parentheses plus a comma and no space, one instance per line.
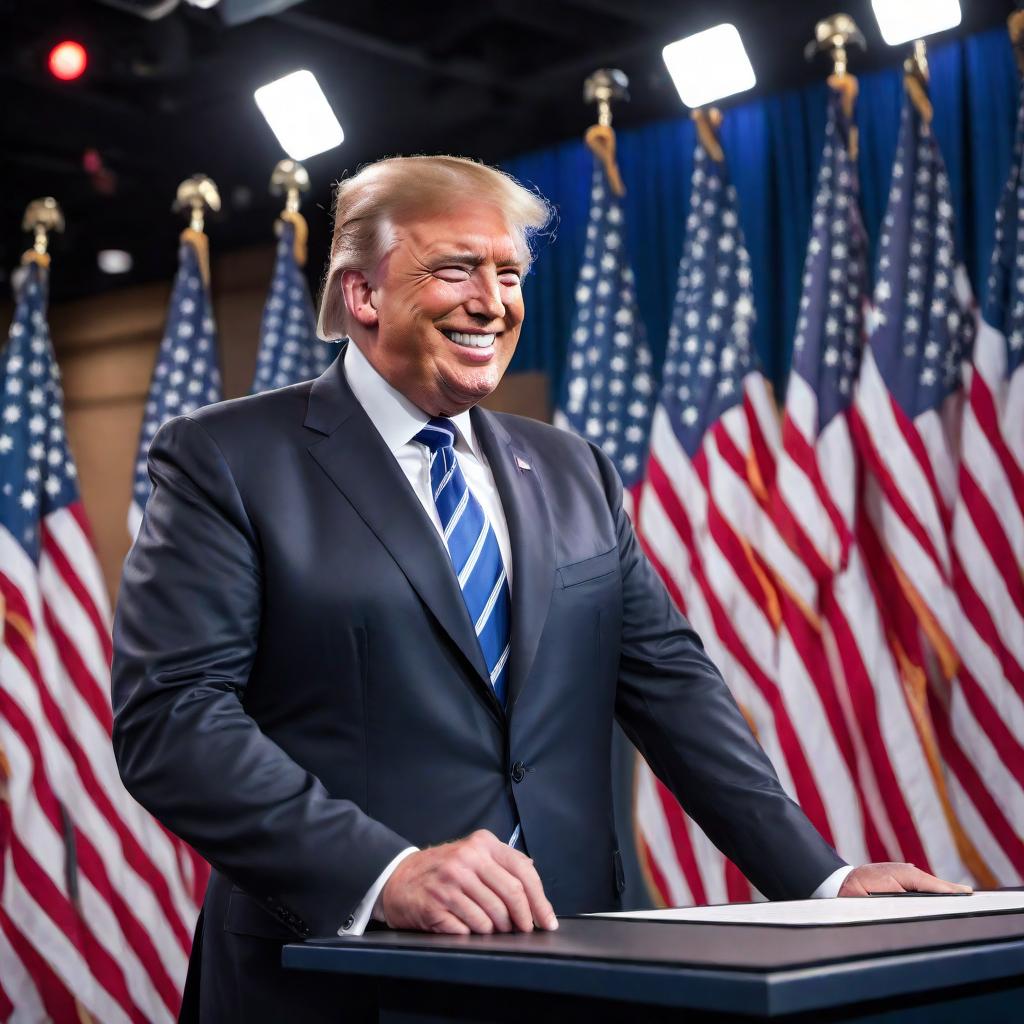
(398,421)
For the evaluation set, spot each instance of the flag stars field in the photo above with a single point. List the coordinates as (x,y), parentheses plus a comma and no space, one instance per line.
(188,335)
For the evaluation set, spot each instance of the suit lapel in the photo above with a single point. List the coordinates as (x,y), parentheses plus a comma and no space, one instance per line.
(529,527)
(358,462)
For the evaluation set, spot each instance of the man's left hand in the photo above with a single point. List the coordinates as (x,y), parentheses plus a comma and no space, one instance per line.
(893,877)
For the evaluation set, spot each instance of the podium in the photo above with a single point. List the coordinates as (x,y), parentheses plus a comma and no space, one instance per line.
(614,969)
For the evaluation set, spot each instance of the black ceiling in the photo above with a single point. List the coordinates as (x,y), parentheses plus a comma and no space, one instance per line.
(166,98)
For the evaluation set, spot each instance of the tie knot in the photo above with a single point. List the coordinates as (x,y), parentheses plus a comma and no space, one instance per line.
(437,434)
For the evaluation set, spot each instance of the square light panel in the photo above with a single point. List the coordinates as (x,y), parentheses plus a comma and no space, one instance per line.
(299,115)
(903,20)
(709,65)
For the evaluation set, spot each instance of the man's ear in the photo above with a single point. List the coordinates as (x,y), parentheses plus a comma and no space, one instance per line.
(360,299)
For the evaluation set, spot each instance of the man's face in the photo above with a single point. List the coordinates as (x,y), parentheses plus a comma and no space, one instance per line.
(449,306)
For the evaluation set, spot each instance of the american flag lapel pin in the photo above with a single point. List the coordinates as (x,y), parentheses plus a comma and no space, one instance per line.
(522,463)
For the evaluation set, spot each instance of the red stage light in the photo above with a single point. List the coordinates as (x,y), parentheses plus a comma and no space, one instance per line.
(68,60)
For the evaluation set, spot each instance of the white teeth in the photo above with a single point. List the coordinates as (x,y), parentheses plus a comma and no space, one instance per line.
(470,340)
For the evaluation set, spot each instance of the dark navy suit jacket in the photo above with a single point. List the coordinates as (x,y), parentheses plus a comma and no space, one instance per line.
(299,693)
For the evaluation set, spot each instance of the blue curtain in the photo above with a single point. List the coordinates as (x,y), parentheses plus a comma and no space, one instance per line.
(773,147)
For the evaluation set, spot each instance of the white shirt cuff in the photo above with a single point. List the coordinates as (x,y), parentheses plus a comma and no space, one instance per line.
(829,889)
(362,914)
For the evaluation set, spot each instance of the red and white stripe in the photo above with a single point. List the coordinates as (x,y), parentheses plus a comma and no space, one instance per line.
(977,709)
(117,930)
(30,991)
(78,616)
(988,580)
(36,897)
(668,839)
(683,867)
(886,738)
(835,808)
(710,537)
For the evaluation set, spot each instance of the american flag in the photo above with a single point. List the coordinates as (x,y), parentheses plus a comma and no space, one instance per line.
(704,522)
(988,529)
(907,425)
(97,910)
(289,349)
(609,388)
(608,392)
(891,786)
(187,371)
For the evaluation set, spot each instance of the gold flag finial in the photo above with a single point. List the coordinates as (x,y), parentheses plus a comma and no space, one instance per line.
(41,217)
(196,195)
(835,35)
(915,80)
(603,86)
(291,179)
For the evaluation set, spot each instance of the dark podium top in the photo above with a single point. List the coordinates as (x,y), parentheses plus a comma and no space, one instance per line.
(763,970)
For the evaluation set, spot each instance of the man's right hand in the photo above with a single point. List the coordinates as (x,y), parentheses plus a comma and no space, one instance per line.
(477,884)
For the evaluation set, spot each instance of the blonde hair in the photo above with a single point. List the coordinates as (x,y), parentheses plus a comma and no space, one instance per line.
(368,204)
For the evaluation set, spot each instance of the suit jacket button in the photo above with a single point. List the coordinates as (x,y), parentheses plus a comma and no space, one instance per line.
(518,771)
(349,921)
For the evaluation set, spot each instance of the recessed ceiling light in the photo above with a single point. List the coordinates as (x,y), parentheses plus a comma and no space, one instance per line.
(709,66)
(114,261)
(299,115)
(903,20)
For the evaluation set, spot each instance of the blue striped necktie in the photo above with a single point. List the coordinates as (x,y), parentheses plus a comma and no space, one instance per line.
(474,550)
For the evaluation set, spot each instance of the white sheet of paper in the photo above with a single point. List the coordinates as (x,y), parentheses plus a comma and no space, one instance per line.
(847,910)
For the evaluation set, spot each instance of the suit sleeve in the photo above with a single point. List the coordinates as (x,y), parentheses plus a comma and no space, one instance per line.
(185,636)
(674,705)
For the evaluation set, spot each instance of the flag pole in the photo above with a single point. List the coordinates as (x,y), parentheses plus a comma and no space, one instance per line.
(195,196)
(835,36)
(708,120)
(289,350)
(916,77)
(603,86)
(1015,23)
(291,179)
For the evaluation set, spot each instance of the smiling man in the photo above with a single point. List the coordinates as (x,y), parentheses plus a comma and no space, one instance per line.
(371,639)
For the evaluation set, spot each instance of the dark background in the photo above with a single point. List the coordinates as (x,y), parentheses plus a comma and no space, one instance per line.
(166,98)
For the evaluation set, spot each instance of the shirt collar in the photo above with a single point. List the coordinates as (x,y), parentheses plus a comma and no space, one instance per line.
(397,419)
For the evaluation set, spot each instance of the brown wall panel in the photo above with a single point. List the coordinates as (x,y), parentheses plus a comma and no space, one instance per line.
(104,438)
(118,316)
(108,373)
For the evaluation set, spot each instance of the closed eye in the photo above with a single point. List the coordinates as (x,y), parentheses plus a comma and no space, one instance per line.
(452,274)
